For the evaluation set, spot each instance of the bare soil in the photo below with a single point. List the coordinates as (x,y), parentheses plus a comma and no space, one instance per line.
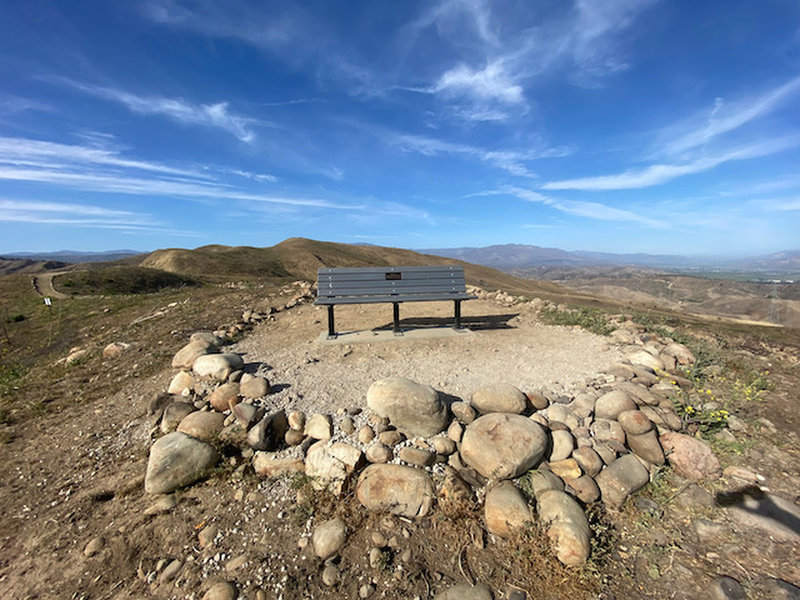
(74,473)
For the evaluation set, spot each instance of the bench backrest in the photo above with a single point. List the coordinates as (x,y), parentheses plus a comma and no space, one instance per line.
(383,281)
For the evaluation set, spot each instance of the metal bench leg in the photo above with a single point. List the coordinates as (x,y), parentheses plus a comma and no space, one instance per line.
(457,315)
(396,317)
(331,327)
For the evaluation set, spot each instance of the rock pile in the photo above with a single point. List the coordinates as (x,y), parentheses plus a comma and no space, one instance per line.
(533,455)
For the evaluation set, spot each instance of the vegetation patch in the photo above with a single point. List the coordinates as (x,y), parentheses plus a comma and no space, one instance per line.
(120,280)
(586,318)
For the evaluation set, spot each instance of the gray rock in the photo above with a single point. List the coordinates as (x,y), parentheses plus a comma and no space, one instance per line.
(269,464)
(443,445)
(645,359)
(390,437)
(588,460)
(221,591)
(465,591)
(562,445)
(584,488)
(455,431)
(206,337)
(366,434)
(782,590)
(328,538)
(646,446)
(413,408)
(297,420)
(224,397)
(379,453)
(183,382)
(204,426)
(174,413)
(726,588)
(606,430)
(499,397)
(566,525)
(247,414)
(620,479)
(634,422)
(690,457)
(610,405)
(503,446)
(505,510)
(217,366)
(542,481)
(94,546)
(258,387)
(185,357)
(319,427)
(330,575)
(330,466)
(347,425)
(416,456)
(177,460)
(404,491)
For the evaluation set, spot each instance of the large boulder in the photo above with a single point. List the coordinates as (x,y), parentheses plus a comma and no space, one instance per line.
(404,491)
(691,458)
(505,510)
(499,397)
(503,446)
(205,426)
(331,465)
(185,357)
(413,408)
(217,366)
(177,460)
(566,526)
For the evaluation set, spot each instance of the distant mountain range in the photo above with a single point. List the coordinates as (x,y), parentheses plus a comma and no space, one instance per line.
(71,256)
(509,257)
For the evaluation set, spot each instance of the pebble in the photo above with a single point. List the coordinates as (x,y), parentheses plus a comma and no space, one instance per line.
(366,434)
(207,535)
(330,575)
(221,591)
(235,563)
(366,590)
(171,571)
(94,546)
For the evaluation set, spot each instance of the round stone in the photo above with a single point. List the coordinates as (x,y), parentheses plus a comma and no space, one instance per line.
(400,490)
(500,397)
(503,446)
(413,408)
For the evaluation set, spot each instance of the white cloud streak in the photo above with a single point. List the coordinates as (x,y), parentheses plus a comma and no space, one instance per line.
(507,160)
(216,115)
(724,118)
(659,174)
(590,210)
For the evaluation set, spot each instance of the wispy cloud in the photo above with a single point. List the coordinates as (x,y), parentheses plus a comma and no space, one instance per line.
(11,104)
(590,210)
(507,160)
(100,170)
(261,177)
(724,117)
(82,215)
(217,115)
(659,174)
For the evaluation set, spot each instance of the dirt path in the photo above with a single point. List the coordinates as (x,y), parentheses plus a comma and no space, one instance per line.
(43,284)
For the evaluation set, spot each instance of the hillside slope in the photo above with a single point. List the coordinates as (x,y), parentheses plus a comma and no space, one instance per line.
(299,258)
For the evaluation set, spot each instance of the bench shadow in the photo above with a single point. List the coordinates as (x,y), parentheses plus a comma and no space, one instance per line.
(763,506)
(474,323)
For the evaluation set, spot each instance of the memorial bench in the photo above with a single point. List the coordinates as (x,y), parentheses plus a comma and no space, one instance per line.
(366,285)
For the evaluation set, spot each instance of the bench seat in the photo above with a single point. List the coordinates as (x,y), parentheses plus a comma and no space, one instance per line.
(395,285)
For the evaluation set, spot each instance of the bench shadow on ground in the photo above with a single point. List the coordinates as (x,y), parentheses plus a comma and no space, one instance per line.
(754,500)
(473,323)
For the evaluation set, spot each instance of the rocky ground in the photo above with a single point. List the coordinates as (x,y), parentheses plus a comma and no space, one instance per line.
(535,461)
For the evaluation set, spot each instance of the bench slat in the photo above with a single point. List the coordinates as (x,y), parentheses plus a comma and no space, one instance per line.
(387,286)
(346,270)
(399,299)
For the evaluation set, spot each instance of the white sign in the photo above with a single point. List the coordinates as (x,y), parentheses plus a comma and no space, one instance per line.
(47,302)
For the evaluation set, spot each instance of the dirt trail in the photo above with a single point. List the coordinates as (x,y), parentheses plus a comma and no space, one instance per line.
(43,284)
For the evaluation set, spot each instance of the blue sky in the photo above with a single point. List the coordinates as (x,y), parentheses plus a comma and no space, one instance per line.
(622,126)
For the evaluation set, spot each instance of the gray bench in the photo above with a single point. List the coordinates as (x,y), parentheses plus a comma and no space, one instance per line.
(366,285)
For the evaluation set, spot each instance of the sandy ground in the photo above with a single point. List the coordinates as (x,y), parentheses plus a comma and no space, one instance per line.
(508,345)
